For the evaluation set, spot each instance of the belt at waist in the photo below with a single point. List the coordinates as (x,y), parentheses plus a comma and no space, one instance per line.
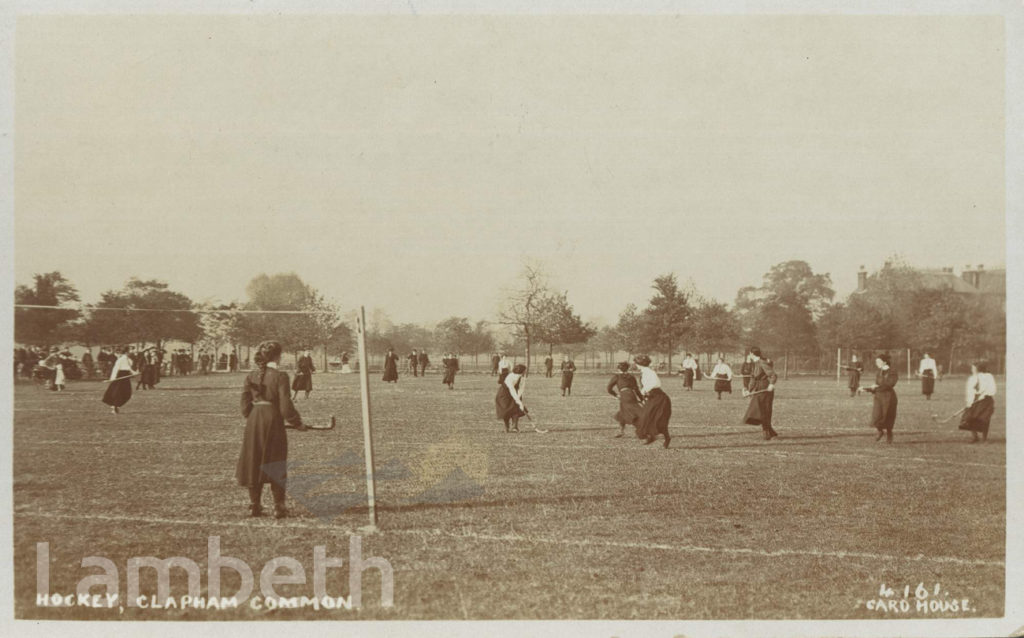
(262,403)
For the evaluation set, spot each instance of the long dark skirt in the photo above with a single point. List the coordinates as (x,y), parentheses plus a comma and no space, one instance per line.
(148,376)
(391,372)
(505,406)
(723,385)
(264,453)
(688,378)
(854,379)
(119,391)
(883,412)
(629,413)
(927,385)
(654,415)
(449,376)
(759,412)
(976,418)
(302,382)
(567,380)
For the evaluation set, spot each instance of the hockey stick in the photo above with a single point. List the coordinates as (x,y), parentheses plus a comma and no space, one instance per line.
(534,424)
(935,417)
(304,427)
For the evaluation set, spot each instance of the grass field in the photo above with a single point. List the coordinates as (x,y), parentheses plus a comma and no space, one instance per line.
(481,524)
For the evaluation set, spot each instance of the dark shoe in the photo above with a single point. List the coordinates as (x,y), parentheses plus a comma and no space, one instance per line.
(772,433)
(880,433)
(667,439)
(280,511)
(256,509)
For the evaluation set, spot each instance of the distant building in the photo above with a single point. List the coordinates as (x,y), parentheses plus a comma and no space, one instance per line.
(970,281)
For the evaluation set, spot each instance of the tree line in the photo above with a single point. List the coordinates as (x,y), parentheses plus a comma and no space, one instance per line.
(792,312)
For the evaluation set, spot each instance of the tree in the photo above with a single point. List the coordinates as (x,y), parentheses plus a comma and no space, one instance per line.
(715,328)
(43,327)
(605,341)
(945,322)
(454,335)
(629,330)
(220,326)
(525,307)
(665,320)
(783,310)
(481,340)
(560,325)
(296,315)
(144,312)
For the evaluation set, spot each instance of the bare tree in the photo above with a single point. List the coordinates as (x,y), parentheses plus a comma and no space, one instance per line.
(524,307)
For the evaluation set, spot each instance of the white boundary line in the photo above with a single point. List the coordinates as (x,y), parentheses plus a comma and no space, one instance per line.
(517,538)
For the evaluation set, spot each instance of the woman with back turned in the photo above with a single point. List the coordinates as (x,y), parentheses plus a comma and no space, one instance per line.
(883,412)
(624,387)
(266,405)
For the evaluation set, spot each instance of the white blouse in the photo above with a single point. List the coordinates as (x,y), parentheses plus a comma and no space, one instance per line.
(689,364)
(123,363)
(649,379)
(510,383)
(979,386)
(722,368)
(928,364)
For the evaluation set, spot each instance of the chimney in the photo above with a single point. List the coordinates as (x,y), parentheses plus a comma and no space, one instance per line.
(862,279)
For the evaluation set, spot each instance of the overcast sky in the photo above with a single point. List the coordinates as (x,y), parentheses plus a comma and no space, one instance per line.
(412,164)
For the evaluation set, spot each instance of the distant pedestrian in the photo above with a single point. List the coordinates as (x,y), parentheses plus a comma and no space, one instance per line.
(304,370)
(88,366)
(549,365)
(568,368)
(451,366)
(927,370)
(390,367)
(856,368)
(689,371)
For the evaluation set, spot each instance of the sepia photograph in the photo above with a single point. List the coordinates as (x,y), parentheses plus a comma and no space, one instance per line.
(654,318)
